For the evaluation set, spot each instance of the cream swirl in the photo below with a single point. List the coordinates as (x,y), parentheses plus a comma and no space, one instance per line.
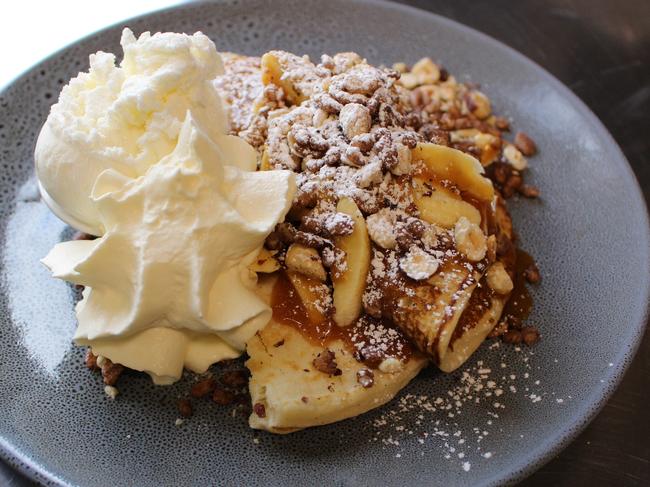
(125,117)
(168,283)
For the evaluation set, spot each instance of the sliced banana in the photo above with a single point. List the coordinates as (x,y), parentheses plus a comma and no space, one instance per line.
(441,206)
(350,282)
(463,170)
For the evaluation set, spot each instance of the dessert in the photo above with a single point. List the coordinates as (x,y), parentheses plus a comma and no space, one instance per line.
(350,228)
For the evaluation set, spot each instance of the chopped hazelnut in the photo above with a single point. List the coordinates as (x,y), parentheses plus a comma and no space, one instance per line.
(185,408)
(381,228)
(515,158)
(470,239)
(525,144)
(498,279)
(306,261)
(326,362)
(391,365)
(529,335)
(203,387)
(418,264)
(366,378)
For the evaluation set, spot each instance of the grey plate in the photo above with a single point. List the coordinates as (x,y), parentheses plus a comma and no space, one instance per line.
(589,234)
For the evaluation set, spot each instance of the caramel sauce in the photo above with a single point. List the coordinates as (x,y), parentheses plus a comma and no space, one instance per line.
(288,309)
(520,304)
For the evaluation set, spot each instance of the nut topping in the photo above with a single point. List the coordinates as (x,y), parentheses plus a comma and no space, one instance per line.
(355,120)
(470,239)
(325,362)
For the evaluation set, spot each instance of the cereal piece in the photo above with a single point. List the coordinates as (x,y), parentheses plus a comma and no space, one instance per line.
(512,336)
(234,378)
(222,396)
(355,120)
(91,360)
(525,144)
(532,274)
(529,335)
(111,372)
(529,191)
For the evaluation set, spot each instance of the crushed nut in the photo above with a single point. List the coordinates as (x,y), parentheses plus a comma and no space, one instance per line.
(325,362)
(355,120)
(203,387)
(111,391)
(470,239)
(185,408)
(418,264)
(391,365)
(222,396)
(515,158)
(403,165)
(478,104)
(532,274)
(381,228)
(525,144)
(498,279)
(366,378)
(426,71)
(529,335)
(305,260)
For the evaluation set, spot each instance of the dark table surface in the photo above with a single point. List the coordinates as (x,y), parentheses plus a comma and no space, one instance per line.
(601,50)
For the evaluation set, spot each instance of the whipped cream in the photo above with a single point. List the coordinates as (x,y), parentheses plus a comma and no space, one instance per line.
(168,284)
(125,117)
(139,152)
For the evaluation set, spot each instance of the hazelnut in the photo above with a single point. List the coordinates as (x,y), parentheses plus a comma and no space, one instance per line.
(498,279)
(381,228)
(470,239)
(515,158)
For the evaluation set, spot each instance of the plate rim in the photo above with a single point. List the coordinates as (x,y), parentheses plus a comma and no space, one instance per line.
(534,459)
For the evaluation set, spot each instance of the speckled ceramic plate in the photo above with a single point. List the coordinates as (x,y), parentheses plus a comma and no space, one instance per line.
(509,410)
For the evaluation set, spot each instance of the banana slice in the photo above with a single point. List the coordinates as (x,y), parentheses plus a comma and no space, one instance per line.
(441,206)
(456,166)
(349,283)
